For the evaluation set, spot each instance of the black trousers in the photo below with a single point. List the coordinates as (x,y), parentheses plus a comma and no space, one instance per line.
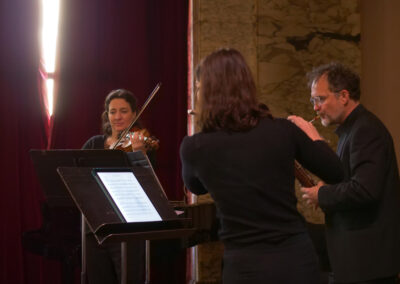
(293,261)
(386,280)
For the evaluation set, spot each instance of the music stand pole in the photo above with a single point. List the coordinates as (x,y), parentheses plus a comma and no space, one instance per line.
(83,248)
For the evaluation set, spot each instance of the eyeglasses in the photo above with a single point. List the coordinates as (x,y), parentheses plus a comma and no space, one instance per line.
(317,100)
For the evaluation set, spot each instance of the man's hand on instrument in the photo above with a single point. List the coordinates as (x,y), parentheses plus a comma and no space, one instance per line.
(310,194)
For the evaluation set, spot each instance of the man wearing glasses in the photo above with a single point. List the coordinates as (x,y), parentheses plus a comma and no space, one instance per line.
(362,213)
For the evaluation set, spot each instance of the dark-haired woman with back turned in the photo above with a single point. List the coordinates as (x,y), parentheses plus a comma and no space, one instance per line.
(104,261)
(245,159)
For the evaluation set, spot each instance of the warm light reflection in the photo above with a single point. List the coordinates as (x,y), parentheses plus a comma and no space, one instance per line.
(50,93)
(50,9)
(50,15)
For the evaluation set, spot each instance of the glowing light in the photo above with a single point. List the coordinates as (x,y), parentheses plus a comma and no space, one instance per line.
(49,33)
(50,93)
(50,10)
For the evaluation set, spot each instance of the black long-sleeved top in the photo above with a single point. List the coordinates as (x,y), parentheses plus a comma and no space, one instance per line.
(250,176)
(95,142)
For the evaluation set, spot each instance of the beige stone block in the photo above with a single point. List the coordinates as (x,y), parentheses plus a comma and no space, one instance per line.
(271,8)
(325,24)
(204,198)
(315,44)
(293,29)
(350,5)
(274,73)
(267,52)
(228,11)
(283,11)
(265,41)
(285,46)
(266,27)
(210,262)
(332,12)
(353,21)
(226,33)
(321,6)
(282,59)
(326,50)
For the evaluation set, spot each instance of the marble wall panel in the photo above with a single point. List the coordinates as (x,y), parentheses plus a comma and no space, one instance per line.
(222,23)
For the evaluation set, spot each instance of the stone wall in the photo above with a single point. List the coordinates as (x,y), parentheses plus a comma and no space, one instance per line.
(281,41)
(294,36)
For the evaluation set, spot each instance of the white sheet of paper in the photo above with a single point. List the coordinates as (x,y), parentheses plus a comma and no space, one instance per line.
(129,196)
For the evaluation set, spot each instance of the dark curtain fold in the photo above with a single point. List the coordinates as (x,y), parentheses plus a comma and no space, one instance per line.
(23,124)
(124,44)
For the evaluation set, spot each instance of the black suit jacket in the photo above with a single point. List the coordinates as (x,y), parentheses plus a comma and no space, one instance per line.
(363,212)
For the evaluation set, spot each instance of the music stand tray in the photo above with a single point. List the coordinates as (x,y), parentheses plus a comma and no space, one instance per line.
(104,218)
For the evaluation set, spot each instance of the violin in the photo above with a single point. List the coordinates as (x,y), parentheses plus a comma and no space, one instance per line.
(150,142)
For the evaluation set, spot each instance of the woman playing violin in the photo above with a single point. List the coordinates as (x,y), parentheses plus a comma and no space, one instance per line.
(118,117)
(120,109)
(104,261)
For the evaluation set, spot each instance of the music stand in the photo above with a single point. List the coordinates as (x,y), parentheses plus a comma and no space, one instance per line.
(46,163)
(106,224)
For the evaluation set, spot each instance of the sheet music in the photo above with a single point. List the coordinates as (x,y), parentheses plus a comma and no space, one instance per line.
(129,196)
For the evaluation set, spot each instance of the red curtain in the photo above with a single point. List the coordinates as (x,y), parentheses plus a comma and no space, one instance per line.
(104,45)
(124,44)
(132,45)
(23,125)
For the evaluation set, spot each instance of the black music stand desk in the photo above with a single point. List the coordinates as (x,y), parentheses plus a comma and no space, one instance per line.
(46,163)
(103,215)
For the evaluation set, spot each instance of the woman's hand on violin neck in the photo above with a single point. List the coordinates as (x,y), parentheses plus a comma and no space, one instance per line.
(137,141)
